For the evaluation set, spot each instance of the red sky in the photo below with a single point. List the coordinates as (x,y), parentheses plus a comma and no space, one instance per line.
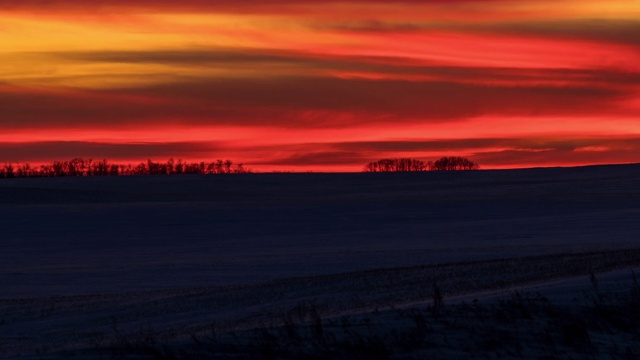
(321,86)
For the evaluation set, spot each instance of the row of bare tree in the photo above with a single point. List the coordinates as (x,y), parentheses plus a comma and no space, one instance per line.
(447,163)
(89,167)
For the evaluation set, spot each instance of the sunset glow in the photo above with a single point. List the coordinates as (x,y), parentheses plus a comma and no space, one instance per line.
(321,86)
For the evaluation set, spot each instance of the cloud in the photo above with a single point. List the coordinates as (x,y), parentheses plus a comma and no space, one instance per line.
(269,61)
(489,152)
(292,101)
(289,101)
(246,5)
(593,149)
(330,158)
(602,30)
(65,150)
(453,145)
(566,152)
(622,31)
(218,56)
(276,74)
(522,158)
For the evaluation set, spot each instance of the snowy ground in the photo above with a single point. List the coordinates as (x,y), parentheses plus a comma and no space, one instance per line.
(85,261)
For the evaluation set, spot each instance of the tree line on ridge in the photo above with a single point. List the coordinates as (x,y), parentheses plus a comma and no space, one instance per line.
(447,163)
(89,167)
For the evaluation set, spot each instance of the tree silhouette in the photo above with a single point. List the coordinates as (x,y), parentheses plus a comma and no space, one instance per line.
(82,167)
(396,165)
(448,163)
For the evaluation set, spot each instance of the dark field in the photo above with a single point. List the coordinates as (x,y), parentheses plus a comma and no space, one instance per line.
(85,260)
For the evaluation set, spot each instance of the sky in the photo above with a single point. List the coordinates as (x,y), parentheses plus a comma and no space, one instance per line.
(311,85)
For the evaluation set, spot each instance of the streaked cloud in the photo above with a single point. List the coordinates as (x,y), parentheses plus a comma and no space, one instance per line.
(42,152)
(321,85)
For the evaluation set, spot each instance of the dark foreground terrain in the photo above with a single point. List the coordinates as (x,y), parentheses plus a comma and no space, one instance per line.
(291,265)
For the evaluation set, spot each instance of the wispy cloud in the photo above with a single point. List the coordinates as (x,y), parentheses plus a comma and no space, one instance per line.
(315,84)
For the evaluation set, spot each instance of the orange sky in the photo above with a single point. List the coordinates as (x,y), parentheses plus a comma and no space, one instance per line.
(321,86)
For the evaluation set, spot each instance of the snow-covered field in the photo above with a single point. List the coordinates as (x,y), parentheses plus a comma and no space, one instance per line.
(88,262)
